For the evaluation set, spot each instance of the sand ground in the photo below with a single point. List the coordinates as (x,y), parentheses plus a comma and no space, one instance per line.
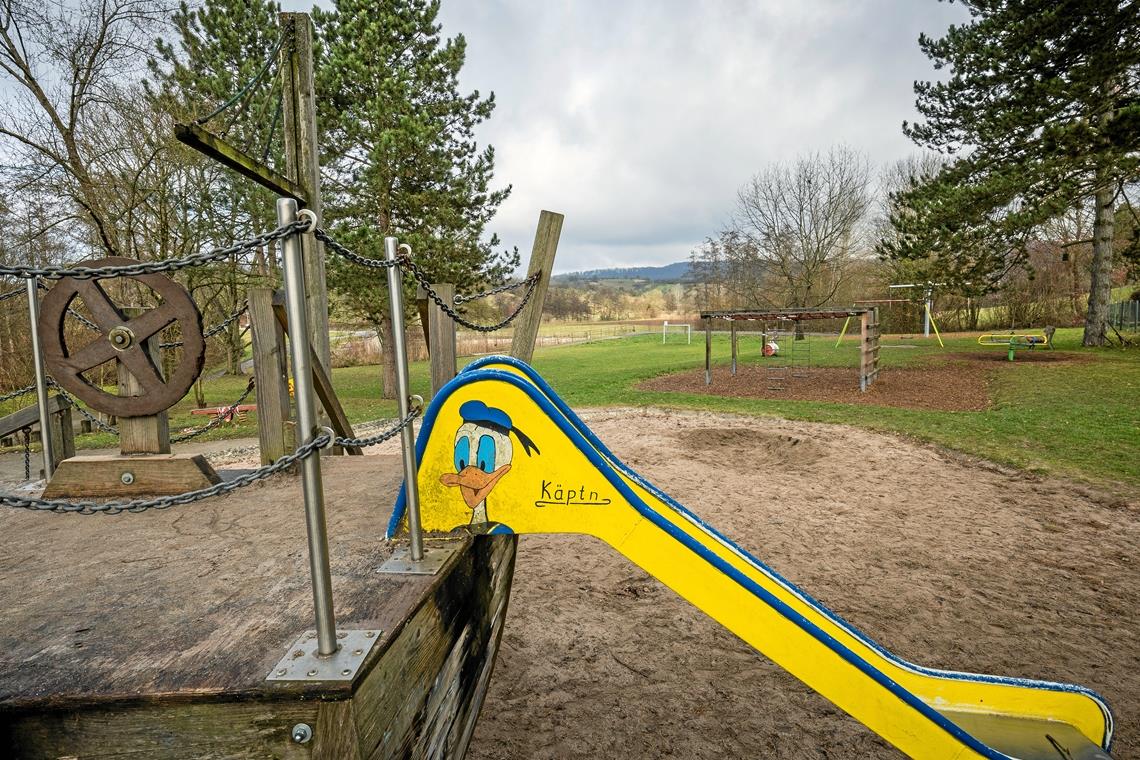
(950,563)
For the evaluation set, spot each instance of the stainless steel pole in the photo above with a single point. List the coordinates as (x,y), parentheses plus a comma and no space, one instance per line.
(41,378)
(404,398)
(300,353)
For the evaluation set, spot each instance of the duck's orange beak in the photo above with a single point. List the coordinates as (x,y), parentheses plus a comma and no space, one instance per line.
(473,483)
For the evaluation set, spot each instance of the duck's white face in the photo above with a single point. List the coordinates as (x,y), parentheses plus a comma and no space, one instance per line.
(482,456)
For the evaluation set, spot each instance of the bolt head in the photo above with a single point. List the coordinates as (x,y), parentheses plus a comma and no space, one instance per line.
(127,478)
(312,673)
(346,672)
(357,652)
(282,671)
(302,733)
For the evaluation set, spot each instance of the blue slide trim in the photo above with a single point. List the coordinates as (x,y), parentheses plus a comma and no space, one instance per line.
(539,392)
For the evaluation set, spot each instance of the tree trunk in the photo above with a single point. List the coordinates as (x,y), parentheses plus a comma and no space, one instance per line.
(1100,287)
(384,333)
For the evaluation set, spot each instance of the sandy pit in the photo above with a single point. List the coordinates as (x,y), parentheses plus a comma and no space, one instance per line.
(948,562)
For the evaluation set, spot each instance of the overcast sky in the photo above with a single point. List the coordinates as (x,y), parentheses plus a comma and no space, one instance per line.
(639,119)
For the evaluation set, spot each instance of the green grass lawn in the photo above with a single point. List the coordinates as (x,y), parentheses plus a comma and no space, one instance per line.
(1078,420)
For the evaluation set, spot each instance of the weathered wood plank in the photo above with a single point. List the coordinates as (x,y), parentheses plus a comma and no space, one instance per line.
(441,346)
(149,434)
(29,415)
(105,476)
(302,162)
(541,261)
(225,731)
(270,372)
(221,151)
(441,660)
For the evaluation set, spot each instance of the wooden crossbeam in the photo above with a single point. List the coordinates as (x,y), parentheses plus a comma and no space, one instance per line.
(224,153)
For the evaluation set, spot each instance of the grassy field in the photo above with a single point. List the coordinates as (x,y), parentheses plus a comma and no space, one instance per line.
(1078,420)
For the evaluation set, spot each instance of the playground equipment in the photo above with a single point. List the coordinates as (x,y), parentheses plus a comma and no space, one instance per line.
(686,327)
(1018,341)
(868,351)
(499,452)
(408,678)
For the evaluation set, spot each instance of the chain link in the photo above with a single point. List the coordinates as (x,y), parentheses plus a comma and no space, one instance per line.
(215,329)
(95,421)
(157,267)
(17,393)
(422,278)
(221,417)
(27,454)
(372,440)
(165,502)
(12,294)
(347,253)
(495,291)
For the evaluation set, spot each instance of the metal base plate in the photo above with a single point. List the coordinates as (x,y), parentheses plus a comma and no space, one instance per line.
(302,663)
(400,563)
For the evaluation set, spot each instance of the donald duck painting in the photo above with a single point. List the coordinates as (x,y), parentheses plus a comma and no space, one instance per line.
(483,453)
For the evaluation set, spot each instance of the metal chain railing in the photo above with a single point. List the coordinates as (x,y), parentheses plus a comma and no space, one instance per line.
(385,435)
(222,416)
(156,267)
(215,329)
(165,502)
(17,393)
(95,421)
(12,294)
(351,255)
(27,453)
(422,278)
(461,299)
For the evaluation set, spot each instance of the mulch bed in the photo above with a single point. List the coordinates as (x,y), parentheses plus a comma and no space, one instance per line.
(956,382)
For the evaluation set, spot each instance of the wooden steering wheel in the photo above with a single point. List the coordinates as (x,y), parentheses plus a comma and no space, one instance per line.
(124,339)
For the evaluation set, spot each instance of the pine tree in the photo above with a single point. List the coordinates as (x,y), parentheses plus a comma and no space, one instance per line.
(222,46)
(1041,113)
(399,152)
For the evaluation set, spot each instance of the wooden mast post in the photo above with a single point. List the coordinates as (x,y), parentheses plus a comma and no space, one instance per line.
(441,338)
(541,261)
(302,163)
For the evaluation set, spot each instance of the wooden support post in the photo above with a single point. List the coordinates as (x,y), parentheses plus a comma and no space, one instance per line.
(302,163)
(541,261)
(732,330)
(149,434)
(441,348)
(322,383)
(271,375)
(708,351)
(62,435)
(422,310)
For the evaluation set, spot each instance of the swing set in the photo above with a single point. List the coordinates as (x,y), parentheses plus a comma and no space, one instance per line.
(928,318)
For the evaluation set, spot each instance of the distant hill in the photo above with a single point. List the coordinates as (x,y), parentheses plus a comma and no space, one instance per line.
(678,272)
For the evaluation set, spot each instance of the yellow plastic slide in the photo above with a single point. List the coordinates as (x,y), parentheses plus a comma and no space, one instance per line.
(499,451)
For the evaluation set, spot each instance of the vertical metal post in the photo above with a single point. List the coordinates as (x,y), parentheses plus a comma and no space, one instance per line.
(926,315)
(299,352)
(404,397)
(708,351)
(732,328)
(33,284)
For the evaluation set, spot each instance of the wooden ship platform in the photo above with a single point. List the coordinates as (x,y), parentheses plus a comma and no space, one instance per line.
(152,635)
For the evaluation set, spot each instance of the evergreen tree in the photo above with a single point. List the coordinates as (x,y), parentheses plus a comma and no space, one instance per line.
(221,47)
(1042,114)
(399,152)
